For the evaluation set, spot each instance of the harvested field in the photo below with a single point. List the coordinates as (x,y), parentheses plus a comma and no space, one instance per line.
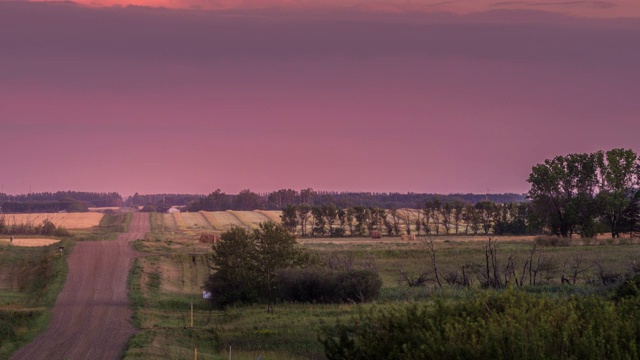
(66,220)
(247,218)
(412,214)
(169,222)
(29,242)
(213,221)
(195,221)
(180,224)
(272,215)
(255,217)
(226,219)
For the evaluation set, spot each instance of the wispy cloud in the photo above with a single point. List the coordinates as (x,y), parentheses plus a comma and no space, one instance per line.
(598,8)
(565,4)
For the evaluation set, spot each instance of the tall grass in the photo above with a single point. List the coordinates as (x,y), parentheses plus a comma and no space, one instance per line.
(40,275)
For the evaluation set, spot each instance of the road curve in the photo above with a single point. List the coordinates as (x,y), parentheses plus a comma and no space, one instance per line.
(92,318)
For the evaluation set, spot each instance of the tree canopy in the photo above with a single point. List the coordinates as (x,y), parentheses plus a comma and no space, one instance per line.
(246,262)
(570,193)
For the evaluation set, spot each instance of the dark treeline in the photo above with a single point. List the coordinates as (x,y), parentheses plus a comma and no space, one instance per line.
(71,201)
(277,200)
(44,206)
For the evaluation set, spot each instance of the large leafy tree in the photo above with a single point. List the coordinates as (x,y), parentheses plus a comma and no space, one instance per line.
(562,191)
(245,263)
(289,218)
(619,196)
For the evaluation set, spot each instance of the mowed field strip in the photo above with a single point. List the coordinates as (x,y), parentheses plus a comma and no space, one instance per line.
(66,220)
(208,221)
(30,242)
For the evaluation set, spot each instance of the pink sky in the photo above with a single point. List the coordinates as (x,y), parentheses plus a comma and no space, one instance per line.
(606,9)
(172,100)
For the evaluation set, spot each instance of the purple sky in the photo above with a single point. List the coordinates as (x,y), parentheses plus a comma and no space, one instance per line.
(141,99)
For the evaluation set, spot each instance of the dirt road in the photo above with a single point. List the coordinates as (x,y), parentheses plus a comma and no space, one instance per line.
(92,317)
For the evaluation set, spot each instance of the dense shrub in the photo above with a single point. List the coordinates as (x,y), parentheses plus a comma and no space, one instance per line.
(511,325)
(321,285)
(630,288)
(246,263)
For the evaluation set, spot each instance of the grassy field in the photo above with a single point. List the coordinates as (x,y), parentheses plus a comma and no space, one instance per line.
(163,289)
(30,280)
(165,284)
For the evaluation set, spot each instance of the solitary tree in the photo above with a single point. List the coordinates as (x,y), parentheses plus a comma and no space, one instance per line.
(304,213)
(245,263)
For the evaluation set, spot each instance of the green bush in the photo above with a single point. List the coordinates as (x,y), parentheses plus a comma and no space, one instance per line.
(630,288)
(510,325)
(321,285)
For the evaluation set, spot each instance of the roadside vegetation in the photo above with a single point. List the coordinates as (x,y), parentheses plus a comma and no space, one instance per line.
(30,280)
(32,277)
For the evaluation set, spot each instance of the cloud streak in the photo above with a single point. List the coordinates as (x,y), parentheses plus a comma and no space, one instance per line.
(619,8)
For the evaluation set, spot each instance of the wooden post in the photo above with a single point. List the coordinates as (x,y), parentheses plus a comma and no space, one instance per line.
(195,354)
(229,352)
(192,313)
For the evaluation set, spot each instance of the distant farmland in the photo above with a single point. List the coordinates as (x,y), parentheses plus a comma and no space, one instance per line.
(219,221)
(71,221)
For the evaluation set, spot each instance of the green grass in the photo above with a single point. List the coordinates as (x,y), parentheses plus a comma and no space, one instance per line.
(163,319)
(24,306)
(291,332)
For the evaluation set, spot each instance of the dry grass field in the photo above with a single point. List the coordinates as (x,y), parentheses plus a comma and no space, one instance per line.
(28,242)
(194,221)
(72,221)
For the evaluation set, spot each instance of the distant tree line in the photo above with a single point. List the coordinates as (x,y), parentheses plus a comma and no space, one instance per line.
(44,206)
(91,199)
(588,193)
(277,200)
(70,201)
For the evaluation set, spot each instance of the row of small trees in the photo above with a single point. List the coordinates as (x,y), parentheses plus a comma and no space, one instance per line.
(436,217)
